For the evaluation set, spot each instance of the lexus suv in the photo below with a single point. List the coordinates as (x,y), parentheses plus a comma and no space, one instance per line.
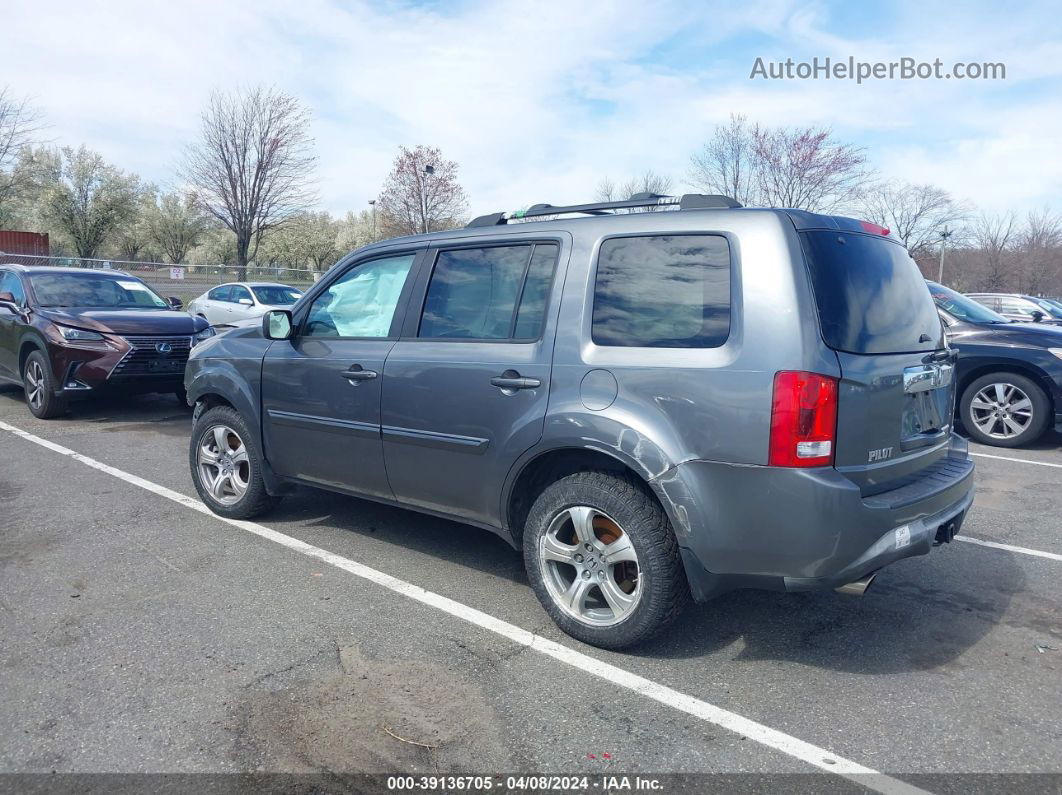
(650,405)
(72,332)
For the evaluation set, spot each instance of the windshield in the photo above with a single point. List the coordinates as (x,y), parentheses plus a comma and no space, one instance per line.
(959,306)
(95,291)
(276,294)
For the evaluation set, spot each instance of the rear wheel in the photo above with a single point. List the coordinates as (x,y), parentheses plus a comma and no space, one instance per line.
(226,464)
(39,385)
(1005,410)
(603,560)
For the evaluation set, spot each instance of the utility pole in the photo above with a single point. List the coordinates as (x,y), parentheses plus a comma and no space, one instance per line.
(372,203)
(944,233)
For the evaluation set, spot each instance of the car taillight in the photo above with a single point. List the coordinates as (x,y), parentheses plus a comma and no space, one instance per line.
(874,229)
(803,420)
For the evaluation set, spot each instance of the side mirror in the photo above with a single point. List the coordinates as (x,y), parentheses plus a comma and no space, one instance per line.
(1037,316)
(246,302)
(7,298)
(175,302)
(277,325)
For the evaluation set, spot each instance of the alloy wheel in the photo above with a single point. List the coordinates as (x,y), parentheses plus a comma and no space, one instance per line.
(1001,411)
(224,466)
(35,384)
(590,566)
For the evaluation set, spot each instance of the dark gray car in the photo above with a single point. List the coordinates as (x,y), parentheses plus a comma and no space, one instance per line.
(651,405)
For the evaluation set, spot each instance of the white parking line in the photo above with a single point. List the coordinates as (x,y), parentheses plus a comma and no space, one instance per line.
(1018,460)
(771,738)
(1023,550)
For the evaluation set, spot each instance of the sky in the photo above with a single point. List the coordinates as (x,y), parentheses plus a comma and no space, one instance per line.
(538,101)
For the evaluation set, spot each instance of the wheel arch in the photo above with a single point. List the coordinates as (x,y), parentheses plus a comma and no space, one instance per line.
(543,467)
(28,345)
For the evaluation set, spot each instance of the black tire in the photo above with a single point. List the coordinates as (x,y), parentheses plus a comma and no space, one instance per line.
(41,399)
(1037,424)
(255,500)
(182,396)
(664,590)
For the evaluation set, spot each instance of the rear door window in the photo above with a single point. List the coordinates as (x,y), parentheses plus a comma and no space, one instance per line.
(871,296)
(491,293)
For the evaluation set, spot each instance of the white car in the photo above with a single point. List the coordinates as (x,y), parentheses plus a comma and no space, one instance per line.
(228,303)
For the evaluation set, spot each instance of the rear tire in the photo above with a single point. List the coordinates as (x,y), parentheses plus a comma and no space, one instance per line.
(619,579)
(1004,410)
(39,386)
(226,462)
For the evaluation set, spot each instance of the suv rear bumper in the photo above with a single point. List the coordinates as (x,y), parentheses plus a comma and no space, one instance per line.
(792,529)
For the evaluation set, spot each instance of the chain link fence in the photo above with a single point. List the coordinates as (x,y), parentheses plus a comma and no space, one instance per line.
(183,281)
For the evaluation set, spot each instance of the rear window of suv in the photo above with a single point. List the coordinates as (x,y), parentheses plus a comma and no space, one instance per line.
(870,294)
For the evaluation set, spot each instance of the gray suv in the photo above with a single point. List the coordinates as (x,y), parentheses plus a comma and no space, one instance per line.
(653,406)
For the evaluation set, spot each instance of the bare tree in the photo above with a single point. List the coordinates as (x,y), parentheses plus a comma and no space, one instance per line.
(806,169)
(1039,253)
(647,182)
(993,235)
(252,168)
(176,224)
(726,164)
(19,125)
(86,198)
(914,213)
(422,193)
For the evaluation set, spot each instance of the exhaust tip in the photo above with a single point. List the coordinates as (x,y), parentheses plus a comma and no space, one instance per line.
(858,587)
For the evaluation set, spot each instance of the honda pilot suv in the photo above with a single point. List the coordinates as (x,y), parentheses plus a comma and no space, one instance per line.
(652,406)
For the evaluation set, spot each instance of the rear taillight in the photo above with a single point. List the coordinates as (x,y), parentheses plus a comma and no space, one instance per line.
(874,229)
(803,420)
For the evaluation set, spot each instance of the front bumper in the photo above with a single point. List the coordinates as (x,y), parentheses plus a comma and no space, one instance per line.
(791,529)
(120,364)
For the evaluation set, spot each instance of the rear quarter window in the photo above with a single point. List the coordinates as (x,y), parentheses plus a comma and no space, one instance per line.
(663,291)
(870,294)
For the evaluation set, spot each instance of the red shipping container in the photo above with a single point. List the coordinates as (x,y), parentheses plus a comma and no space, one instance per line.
(32,243)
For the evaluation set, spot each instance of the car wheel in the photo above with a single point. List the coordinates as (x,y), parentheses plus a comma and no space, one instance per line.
(603,560)
(39,385)
(226,463)
(1005,410)
(182,395)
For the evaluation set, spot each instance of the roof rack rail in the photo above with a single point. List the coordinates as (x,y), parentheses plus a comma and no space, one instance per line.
(688,201)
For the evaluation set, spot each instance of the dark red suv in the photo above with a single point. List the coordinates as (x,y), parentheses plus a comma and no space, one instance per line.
(67,332)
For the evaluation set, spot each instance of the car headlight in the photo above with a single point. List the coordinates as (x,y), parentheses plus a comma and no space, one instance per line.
(79,334)
(203,336)
(1056,351)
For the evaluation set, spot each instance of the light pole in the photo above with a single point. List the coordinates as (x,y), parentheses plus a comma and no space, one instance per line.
(944,233)
(372,203)
(428,171)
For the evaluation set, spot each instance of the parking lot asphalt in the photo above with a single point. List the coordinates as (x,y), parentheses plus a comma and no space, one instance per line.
(143,636)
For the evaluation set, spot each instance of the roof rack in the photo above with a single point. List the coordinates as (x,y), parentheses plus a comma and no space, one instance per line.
(688,201)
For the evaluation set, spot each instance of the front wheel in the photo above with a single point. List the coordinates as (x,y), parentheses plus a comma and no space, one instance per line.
(39,385)
(226,463)
(603,560)
(1005,410)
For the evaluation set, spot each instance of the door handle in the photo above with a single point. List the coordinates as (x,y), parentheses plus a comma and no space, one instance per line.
(357,373)
(511,379)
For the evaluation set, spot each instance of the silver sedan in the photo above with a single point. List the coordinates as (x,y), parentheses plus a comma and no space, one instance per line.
(228,303)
